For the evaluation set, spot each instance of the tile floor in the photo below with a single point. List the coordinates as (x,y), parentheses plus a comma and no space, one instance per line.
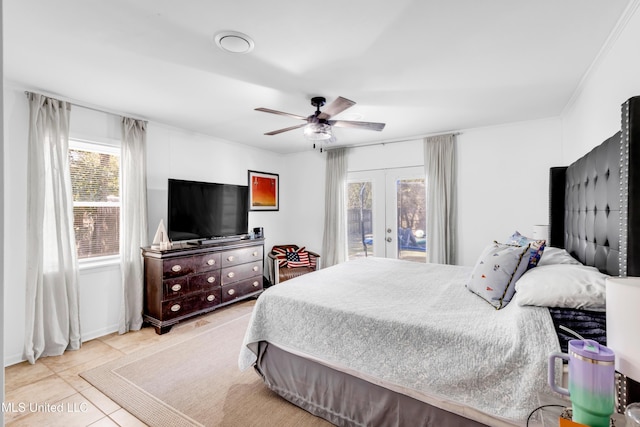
(51,392)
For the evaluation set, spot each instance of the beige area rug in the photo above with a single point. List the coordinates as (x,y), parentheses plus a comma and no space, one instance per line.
(195,380)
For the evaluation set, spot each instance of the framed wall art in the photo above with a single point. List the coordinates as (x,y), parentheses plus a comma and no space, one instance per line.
(264,193)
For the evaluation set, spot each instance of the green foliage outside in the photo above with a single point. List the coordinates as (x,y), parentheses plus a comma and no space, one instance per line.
(95,183)
(100,176)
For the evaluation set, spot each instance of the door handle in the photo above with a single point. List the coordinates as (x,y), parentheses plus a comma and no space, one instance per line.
(389,239)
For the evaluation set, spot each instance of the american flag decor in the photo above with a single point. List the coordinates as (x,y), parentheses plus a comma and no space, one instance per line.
(297,258)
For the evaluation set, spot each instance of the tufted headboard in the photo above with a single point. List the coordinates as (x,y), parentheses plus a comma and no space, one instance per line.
(594,203)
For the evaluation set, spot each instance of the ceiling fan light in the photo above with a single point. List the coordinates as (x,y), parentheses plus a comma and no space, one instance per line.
(317,131)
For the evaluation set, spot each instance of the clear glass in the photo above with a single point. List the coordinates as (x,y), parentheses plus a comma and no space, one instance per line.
(632,415)
(412,222)
(95,183)
(360,219)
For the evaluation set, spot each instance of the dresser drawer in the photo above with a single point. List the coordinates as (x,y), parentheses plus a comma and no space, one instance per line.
(210,261)
(177,267)
(187,305)
(210,298)
(173,288)
(178,307)
(240,256)
(242,288)
(187,280)
(241,272)
(203,281)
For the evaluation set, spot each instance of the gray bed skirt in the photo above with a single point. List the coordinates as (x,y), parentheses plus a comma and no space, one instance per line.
(342,399)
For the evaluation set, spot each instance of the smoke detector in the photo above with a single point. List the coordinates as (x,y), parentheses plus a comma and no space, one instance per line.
(234,42)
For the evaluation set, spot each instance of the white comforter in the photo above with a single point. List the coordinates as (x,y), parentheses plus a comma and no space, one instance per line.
(414,325)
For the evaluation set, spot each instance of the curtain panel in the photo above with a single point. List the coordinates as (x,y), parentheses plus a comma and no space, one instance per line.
(133,233)
(440,168)
(334,241)
(52,319)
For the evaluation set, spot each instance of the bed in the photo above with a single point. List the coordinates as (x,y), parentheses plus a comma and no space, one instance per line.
(389,342)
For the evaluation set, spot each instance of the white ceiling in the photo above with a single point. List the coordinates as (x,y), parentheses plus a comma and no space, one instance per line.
(421,66)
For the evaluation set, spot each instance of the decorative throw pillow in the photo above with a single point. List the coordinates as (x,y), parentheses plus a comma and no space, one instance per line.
(297,258)
(281,256)
(499,267)
(536,247)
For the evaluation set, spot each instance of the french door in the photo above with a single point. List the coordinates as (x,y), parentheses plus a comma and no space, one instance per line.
(386,214)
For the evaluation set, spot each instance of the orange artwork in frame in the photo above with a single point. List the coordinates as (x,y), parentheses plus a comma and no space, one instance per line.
(263,191)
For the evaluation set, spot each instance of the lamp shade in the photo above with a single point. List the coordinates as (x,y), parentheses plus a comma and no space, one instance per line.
(623,323)
(540,232)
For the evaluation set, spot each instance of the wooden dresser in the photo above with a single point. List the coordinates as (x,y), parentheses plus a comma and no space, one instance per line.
(188,280)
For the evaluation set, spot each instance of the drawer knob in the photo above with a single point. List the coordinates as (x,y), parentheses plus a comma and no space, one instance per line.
(230,258)
(211,297)
(255,268)
(211,261)
(176,287)
(231,291)
(255,253)
(175,307)
(176,268)
(231,274)
(255,284)
(211,279)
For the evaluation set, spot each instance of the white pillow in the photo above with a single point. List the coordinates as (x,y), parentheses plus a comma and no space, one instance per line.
(553,255)
(563,285)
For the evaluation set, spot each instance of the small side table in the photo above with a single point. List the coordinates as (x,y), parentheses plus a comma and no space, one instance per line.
(551,415)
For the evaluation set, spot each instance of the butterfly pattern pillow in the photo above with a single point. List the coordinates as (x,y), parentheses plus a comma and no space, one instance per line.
(499,267)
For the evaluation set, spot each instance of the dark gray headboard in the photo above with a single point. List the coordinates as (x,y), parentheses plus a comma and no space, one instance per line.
(594,203)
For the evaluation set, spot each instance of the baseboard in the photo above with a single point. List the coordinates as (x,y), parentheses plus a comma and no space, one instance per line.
(13,360)
(18,358)
(88,336)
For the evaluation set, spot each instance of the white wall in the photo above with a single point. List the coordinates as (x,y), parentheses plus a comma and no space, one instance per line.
(172,153)
(16,119)
(2,204)
(303,186)
(386,156)
(594,114)
(503,181)
(176,153)
(502,178)
(302,200)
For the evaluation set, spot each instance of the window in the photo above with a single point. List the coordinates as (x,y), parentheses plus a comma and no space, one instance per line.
(360,219)
(95,182)
(387,213)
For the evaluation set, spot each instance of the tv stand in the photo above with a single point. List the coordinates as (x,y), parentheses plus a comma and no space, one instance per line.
(192,279)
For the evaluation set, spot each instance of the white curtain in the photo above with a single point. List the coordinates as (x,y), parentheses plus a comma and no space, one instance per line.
(52,313)
(440,162)
(334,241)
(133,234)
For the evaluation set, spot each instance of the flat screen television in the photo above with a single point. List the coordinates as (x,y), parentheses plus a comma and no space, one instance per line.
(206,210)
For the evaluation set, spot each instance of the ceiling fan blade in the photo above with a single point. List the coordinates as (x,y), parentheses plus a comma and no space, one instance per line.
(357,125)
(281,113)
(275,132)
(337,106)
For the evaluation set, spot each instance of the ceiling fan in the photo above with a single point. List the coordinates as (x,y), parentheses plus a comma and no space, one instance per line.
(318,125)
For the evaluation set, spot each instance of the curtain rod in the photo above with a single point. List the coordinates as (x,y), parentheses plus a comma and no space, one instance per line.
(84,105)
(393,141)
